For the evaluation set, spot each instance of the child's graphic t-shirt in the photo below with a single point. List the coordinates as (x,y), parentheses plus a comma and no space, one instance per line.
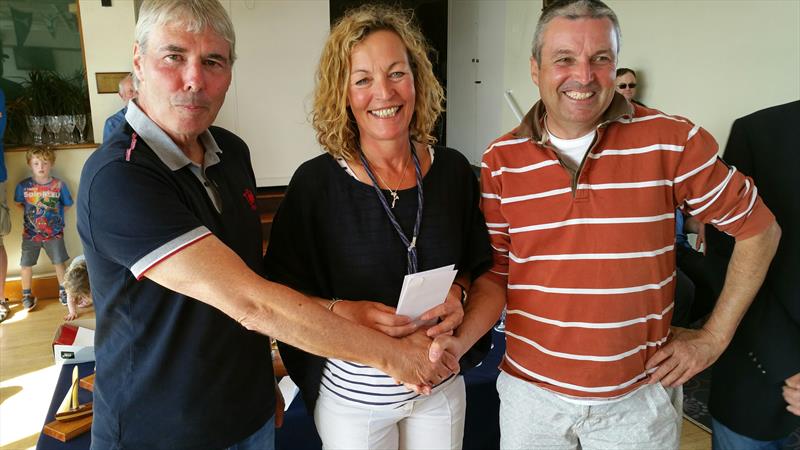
(44,208)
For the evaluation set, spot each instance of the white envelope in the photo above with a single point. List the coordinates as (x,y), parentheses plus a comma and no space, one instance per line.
(289,390)
(422,291)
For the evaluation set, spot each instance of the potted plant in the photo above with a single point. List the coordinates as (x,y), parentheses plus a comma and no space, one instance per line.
(48,93)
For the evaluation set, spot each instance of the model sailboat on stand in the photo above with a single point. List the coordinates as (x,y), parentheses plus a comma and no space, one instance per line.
(72,418)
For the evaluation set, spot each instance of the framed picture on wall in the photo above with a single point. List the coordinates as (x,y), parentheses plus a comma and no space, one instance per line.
(108,82)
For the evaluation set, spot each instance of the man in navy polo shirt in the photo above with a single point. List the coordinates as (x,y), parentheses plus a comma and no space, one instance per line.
(168,221)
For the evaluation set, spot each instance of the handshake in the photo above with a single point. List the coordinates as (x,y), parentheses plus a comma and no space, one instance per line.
(428,360)
(424,356)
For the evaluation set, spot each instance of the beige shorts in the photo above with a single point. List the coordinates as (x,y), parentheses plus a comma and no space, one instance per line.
(535,418)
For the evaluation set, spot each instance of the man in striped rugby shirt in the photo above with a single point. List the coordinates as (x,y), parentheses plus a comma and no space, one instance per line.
(579,201)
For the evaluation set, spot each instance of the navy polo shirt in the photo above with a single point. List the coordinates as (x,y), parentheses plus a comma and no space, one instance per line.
(172,372)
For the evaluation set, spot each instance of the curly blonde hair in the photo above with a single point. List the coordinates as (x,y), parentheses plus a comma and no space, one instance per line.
(335,125)
(76,280)
(43,153)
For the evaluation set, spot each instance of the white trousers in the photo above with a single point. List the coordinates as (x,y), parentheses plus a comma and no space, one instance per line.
(535,418)
(428,422)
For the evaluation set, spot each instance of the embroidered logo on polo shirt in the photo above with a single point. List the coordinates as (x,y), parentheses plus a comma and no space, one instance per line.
(251,199)
(130,149)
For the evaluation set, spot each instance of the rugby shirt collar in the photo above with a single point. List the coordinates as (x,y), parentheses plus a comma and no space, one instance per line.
(163,146)
(532,125)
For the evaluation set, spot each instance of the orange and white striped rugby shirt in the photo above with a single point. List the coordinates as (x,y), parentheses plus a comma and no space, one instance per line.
(589,260)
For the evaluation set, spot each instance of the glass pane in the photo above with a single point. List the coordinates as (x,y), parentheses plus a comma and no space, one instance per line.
(42,71)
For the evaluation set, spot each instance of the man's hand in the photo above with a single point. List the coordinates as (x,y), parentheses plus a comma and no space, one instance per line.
(413,367)
(377,316)
(690,351)
(791,393)
(686,354)
(444,345)
(450,312)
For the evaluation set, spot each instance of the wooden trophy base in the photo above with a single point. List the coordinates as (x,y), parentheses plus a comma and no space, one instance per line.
(87,383)
(64,431)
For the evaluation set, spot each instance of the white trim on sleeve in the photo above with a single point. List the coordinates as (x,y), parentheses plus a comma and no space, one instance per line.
(167,250)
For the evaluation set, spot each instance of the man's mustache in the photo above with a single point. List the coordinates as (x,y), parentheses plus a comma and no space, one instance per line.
(194,99)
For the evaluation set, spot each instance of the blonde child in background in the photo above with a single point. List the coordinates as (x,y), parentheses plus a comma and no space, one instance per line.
(76,284)
(43,199)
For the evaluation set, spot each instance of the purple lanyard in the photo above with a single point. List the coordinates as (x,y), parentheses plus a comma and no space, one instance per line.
(411,245)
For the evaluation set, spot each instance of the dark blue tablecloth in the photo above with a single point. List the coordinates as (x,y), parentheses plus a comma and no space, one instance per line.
(83,441)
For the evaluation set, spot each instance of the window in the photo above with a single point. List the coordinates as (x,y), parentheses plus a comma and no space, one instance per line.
(43,70)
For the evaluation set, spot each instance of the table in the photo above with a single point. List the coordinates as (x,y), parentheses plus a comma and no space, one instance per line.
(83,441)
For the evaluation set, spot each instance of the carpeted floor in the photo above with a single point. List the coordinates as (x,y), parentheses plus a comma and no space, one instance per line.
(695,405)
(695,399)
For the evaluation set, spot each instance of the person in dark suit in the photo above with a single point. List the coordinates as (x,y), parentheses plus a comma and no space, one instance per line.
(755,386)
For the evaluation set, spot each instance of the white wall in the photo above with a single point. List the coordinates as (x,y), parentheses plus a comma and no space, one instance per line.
(278,44)
(462,71)
(491,47)
(521,20)
(108,47)
(708,60)
(68,166)
(475,63)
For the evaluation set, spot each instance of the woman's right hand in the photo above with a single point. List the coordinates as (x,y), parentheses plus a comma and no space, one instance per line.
(376,316)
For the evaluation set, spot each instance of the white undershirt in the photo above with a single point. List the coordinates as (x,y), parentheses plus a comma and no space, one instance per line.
(572,151)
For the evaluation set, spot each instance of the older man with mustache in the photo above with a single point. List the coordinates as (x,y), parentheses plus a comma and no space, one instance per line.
(168,221)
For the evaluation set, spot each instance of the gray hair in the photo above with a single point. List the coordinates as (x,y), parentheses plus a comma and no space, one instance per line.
(195,15)
(572,10)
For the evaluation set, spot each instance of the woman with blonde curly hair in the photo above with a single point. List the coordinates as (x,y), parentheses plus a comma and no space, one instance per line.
(383,202)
